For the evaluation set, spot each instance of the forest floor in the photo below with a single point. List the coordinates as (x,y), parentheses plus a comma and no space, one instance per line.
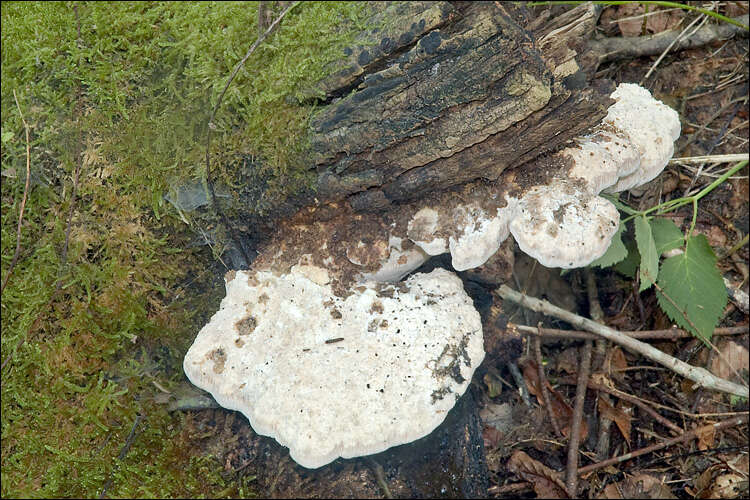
(86,418)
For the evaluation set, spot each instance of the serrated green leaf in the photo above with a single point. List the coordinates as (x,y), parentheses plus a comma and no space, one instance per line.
(7,135)
(693,282)
(647,248)
(616,251)
(667,236)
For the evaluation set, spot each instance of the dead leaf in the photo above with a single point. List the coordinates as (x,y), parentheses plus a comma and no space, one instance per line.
(735,354)
(706,438)
(567,361)
(638,486)
(655,22)
(498,416)
(560,408)
(546,482)
(616,415)
(491,437)
(617,361)
(728,486)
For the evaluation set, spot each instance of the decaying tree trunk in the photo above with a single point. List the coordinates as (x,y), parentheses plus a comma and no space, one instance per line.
(453,92)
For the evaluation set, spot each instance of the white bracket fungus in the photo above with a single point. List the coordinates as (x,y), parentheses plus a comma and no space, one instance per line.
(562,222)
(319,352)
(337,377)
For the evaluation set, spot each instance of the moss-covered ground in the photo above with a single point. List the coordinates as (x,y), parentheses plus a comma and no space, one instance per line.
(92,337)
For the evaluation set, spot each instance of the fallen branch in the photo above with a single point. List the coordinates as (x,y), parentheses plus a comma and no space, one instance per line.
(23,201)
(610,49)
(732,422)
(670,333)
(700,376)
(543,390)
(571,477)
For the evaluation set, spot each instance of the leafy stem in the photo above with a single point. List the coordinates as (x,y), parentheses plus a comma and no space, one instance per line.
(671,205)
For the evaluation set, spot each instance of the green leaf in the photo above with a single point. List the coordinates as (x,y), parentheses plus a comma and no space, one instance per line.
(667,236)
(693,282)
(629,266)
(7,135)
(647,248)
(616,251)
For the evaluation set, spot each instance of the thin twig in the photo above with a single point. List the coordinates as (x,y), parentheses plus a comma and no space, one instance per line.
(671,333)
(701,376)
(123,452)
(711,159)
(638,402)
(571,478)
(23,200)
(732,422)
(679,37)
(211,126)
(543,385)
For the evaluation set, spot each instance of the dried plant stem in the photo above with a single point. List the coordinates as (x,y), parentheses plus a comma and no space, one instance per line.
(211,126)
(23,200)
(700,376)
(732,158)
(731,422)
(571,476)
(123,452)
(543,385)
(671,333)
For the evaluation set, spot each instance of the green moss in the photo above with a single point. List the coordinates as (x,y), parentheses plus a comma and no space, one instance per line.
(133,291)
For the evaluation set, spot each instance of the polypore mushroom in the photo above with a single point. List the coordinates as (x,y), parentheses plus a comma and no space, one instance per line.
(561,221)
(333,377)
(318,352)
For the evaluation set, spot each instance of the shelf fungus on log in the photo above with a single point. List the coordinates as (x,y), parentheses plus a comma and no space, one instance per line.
(322,347)
(332,376)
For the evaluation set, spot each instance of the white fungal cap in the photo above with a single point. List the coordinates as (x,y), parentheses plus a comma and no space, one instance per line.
(650,125)
(421,231)
(482,235)
(337,377)
(594,164)
(401,261)
(561,225)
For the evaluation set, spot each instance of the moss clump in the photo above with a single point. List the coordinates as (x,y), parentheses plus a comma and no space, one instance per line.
(133,94)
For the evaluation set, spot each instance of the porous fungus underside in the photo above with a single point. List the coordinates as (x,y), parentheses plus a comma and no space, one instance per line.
(148,74)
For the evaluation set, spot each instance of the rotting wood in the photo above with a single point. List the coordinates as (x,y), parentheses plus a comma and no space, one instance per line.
(451,93)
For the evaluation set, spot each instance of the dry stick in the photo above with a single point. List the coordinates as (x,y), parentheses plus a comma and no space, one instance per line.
(700,376)
(702,18)
(211,126)
(731,422)
(610,49)
(23,201)
(639,403)
(671,333)
(600,354)
(124,451)
(571,477)
(543,385)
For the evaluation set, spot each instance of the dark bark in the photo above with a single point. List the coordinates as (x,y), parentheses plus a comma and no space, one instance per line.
(453,92)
